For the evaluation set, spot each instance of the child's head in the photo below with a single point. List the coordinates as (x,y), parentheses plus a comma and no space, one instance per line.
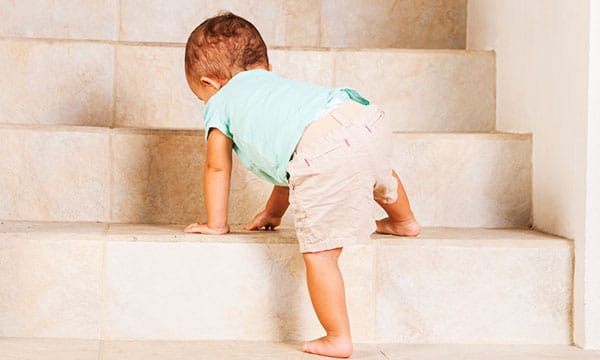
(219,48)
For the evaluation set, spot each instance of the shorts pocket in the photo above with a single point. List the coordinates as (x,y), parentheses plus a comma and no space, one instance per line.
(304,230)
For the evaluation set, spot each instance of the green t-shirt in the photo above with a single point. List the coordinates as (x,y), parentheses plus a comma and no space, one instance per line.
(265,115)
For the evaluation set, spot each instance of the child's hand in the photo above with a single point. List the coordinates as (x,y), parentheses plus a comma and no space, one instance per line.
(204,229)
(263,220)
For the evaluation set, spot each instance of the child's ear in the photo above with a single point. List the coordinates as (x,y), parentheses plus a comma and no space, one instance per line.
(206,81)
(270,68)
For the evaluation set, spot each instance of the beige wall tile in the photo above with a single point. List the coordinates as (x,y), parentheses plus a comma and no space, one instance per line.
(249,195)
(157,176)
(277,21)
(54,175)
(472,180)
(307,65)
(151,90)
(280,22)
(49,349)
(206,291)
(56,83)
(481,179)
(190,290)
(50,287)
(386,23)
(94,19)
(302,23)
(443,293)
(409,24)
(424,91)
(357,264)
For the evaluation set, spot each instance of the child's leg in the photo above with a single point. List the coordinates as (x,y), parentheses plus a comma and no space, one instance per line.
(400,220)
(326,288)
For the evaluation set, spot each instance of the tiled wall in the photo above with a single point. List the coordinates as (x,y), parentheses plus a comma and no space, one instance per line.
(324,23)
(155,176)
(143,86)
(118,63)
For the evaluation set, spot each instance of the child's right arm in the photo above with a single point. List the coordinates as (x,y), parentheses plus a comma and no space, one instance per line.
(217,180)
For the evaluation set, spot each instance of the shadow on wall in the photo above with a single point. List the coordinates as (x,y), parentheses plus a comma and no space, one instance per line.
(56,83)
(157,176)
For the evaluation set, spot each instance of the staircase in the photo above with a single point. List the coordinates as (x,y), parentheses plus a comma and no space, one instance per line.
(101,149)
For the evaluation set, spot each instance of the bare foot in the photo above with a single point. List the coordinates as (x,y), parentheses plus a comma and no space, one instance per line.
(329,346)
(403,228)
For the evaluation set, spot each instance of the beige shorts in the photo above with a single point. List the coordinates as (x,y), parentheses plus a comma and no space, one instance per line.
(341,164)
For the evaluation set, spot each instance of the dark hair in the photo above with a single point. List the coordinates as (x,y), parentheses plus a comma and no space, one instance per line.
(222,46)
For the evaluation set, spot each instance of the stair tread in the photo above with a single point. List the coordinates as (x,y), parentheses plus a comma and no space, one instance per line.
(53,348)
(430,236)
(497,285)
(199,132)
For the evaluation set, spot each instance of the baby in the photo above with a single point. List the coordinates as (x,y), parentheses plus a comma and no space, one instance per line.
(327,152)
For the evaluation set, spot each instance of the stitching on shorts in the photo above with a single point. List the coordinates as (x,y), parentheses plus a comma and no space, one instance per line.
(380,115)
(310,156)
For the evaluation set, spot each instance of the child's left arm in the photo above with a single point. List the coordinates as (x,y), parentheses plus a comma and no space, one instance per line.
(217,180)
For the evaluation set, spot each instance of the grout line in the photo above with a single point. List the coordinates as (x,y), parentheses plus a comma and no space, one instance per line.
(277,47)
(573,284)
(115,51)
(118,19)
(114,87)
(531,180)
(95,41)
(335,55)
(103,292)
(111,132)
(109,202)
(100,349)
(194,132)
(495,75)
(320,30)
(467,23)
(97,129)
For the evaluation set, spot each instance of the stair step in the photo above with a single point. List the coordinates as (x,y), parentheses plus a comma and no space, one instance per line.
(155,176)
(421,90)
(414,24)
(119,282)
(60,349)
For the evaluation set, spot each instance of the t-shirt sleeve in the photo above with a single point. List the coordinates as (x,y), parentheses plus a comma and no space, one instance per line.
(214,120)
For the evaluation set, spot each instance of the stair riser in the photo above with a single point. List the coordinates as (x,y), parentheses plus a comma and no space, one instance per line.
(409,291)
(413,24)
(130,176)
(419,90)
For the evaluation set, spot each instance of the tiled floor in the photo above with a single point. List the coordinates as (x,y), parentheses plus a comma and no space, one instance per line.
(70,349)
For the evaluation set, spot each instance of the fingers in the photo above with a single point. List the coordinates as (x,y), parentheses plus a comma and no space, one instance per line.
(256,223)
(252,225)
(259,225)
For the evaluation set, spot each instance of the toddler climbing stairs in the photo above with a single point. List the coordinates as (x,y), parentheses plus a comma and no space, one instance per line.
(102,151)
